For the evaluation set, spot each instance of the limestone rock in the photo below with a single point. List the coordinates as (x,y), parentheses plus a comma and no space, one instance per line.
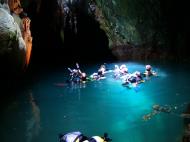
(12,45)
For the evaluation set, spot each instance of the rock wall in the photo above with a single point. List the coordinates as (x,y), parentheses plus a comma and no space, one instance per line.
(12,45)
(15,37)
(142,29)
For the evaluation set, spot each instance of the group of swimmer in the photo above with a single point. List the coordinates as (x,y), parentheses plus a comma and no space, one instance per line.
(120,72)
(132,78)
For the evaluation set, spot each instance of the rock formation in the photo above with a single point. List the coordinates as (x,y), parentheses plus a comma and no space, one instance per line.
(15,37)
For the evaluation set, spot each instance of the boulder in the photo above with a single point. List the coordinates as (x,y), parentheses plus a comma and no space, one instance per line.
(12,45)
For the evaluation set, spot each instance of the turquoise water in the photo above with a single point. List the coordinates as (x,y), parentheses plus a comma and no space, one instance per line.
(49,106)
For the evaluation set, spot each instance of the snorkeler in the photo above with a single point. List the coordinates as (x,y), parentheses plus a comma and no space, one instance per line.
(148,71)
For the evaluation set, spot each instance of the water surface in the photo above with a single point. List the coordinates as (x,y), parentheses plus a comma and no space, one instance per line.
(49,106)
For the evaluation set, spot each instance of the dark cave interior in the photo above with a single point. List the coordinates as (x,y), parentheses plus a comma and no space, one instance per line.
(88,44)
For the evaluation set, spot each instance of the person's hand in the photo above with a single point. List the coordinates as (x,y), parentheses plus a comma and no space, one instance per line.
(26,24)
(26,28)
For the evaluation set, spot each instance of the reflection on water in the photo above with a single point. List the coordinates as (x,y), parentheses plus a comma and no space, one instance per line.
(33,125)
(76,88)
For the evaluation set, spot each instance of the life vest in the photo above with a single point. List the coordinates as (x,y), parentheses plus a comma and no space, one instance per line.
(71,137)
(96,139)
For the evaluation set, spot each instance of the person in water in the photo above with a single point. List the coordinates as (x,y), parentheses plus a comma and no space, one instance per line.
(83,77)
(100,74)
(72,137)
(123,70)
(149,71)
(79,137)
(116,72)
(76,75)
(134,78)
(102,70)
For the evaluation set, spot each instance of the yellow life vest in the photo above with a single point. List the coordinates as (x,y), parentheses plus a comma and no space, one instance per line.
(98,139)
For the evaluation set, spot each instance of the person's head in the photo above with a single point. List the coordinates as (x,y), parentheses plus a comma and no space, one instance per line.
(102,68)
(123,66)
(15,6)
(137,73)
(123,69)
(148,67)
(83,74)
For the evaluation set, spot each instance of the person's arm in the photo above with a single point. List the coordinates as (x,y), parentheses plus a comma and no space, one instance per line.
(70,70)
(77,65)
(154,73)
